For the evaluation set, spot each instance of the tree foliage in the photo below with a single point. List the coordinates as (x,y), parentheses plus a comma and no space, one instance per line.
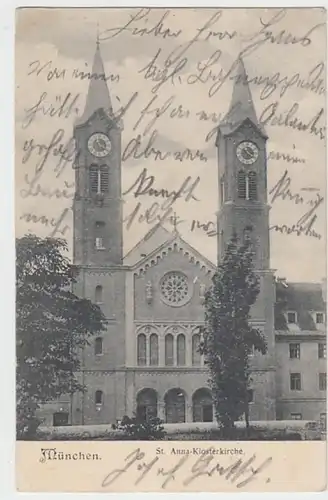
(229,338)
(52,326)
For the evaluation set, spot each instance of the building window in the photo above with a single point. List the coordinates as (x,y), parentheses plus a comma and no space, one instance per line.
(169,350)
(98,346)
(153,341)
(98,294)
(175,288)
(142,349)
(291,317)
(99,179)
(250,395)
(60,418)
(247,185)
(294,351)
(222,197)
(99,235)
(322,350)
(99,398)
(296,416)
(319,318)
(181,350)
(247,236)
(252,186)
(195,350)
(322,381)
(295,381)
(242,185)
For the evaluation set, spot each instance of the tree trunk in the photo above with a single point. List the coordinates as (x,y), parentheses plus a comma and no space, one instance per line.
(247,418)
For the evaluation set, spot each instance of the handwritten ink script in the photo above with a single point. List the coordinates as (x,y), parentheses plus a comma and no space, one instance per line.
(171,75)
(196,463)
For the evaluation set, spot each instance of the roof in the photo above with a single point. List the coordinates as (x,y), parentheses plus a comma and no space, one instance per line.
(157,243)
(302,298)
(98,94)
(155,238)
(241,106)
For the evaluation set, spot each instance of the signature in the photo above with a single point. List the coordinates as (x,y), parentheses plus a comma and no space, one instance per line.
(239,472)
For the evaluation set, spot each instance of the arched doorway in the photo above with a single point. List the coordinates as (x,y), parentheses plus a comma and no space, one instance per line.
(202,406)
(175,406)
(147,404)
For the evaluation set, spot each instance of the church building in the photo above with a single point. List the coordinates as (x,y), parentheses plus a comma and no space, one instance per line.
(147,361)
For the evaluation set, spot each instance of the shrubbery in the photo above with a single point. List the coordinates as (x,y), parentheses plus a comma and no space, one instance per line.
(138,429)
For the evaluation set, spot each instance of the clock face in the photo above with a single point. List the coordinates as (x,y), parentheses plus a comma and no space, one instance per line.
(247,152)
(99,145)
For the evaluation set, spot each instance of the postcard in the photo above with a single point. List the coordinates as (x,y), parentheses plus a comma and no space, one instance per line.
(170,249)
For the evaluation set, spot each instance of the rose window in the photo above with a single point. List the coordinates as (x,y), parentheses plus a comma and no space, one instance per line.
(174,288)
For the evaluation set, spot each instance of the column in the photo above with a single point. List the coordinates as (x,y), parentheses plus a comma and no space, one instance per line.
(161,410)
(161,347)
(189,412)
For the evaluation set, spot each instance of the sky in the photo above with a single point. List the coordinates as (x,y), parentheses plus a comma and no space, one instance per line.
(284,56)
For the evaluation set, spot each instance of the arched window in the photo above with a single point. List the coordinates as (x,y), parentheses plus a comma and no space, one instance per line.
(241,185)
(99,179)
(98,294)
(99,235)
(104,178)
(195,350)
(147,404)
(98,346)
(153,341)
(93,178)
(248,234)
(99,398)
(252,186)
(142,349)
(169,350)
(202,406)
(175,406)
(181,350)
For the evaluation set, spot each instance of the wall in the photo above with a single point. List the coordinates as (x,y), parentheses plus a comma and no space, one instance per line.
(310,401)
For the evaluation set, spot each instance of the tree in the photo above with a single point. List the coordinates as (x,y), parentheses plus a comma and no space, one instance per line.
(228,337)
(52,327)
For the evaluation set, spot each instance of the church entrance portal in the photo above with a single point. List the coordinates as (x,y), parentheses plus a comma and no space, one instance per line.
(147,404)
(202,406)
(175,406)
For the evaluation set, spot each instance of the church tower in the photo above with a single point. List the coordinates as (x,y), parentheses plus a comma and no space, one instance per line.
(98,251)
(244,210)
(97,203)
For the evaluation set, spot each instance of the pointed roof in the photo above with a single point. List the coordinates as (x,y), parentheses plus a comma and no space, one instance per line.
(155,238)
(241,106)
(98,94)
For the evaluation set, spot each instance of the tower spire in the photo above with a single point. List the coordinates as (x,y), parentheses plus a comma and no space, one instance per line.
(241,106)
(98,94)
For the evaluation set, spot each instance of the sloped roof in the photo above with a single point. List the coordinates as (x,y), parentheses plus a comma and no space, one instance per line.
(155,238)
(98,94)
(302,298)
(157,243)
(241,106)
